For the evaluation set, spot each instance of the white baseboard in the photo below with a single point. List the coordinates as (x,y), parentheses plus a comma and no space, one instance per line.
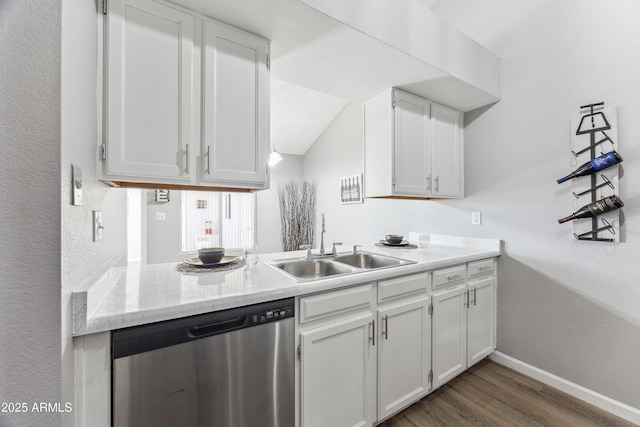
(605,403)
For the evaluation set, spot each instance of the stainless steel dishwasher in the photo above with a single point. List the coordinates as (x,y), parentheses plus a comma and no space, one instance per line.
(231,368)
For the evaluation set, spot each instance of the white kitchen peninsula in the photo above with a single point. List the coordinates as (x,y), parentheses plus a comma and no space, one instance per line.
(135,295)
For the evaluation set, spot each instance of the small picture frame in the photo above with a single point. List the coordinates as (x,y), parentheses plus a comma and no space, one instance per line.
(351,189)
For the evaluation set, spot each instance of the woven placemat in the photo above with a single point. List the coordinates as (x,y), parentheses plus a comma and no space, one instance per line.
(409,246)
(183,267)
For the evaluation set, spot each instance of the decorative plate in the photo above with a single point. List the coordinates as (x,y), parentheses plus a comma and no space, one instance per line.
(403,243)
(225,260)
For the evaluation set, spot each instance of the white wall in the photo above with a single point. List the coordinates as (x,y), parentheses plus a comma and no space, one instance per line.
(268,208)
(568,307)
(29,208)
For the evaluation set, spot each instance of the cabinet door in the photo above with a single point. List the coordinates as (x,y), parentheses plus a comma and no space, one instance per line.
(149,92)
(412,156)
(404,355)
(481,321)
(338,381)
(446,145)
(449,334)
(236,107)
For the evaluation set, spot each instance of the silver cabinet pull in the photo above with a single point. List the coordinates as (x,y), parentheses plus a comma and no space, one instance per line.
(486,267)
(187,162)
(437,180)
(466,297)
(429,182)
(385,330)
(456,277)
(208,160)
(372,337)
(475,296)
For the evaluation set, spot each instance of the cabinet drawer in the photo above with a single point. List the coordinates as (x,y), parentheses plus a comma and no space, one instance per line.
(448,276)
(479,267)
(332,303)
(390,289)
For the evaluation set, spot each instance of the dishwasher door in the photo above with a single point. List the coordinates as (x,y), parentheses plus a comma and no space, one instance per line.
(229,369)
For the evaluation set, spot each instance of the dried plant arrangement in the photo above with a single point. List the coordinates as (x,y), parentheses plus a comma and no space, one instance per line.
(297,214)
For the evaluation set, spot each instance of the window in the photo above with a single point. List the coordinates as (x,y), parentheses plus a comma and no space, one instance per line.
(213,219)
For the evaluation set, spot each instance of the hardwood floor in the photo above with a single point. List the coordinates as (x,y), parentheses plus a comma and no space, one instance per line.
(489,394)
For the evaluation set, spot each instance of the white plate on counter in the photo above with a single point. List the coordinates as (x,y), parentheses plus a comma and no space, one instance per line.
(225,260)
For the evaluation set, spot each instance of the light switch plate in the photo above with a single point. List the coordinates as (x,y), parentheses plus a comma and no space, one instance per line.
(76,183)
(97,226)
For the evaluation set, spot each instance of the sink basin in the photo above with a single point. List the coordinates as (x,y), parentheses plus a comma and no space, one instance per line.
(369,261)
(312,269)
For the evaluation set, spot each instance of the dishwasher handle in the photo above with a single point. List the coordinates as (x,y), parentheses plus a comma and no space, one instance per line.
(206,329)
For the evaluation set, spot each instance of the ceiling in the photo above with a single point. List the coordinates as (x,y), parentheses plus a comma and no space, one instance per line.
(319,65)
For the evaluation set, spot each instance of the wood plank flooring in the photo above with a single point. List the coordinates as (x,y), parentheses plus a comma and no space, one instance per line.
(489,394)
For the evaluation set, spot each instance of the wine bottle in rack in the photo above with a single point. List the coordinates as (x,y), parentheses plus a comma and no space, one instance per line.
(594,209)
(594,165)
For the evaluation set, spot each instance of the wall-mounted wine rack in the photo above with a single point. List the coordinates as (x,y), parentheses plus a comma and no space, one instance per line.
(594,132)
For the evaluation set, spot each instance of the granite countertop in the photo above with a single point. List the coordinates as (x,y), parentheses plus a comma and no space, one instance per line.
(139,294)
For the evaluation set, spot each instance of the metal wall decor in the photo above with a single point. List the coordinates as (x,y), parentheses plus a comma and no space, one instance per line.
(596,169)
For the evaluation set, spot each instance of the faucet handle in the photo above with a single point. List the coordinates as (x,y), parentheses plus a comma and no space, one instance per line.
(308,248)
(334,246)
(355,249)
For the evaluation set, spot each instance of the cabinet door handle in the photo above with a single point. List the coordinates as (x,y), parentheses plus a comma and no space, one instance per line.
(456,277)
(486,267)
(429,182)
(208,160)
(437,180)
(372,329)
(187,156)
(475,296)
(385,331)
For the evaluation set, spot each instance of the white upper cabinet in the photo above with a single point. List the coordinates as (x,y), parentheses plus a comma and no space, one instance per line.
(446,149)
(413,147)
(186,99)
(150,90)
(235,112)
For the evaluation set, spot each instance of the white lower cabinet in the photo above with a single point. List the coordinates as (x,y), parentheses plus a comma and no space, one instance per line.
(367,352)
(337,358)
(404,355)
(481,320)
(338,374)
(449,334)
(464,318)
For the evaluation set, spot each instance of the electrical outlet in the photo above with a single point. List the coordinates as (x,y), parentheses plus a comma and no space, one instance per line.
(476,218)
(97,226)
(161,216)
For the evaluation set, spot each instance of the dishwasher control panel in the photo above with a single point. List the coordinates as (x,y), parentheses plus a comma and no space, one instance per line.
(271,315)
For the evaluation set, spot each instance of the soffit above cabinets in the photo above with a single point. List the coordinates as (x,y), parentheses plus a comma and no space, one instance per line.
(356,49)
(327,53)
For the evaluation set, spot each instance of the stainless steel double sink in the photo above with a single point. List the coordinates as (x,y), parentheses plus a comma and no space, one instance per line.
(304,270)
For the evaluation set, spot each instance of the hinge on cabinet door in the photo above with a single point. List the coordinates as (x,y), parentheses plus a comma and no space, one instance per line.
(104,7)
(393,102)
(299,351)
(431,376)
(393,180)
(104,151)
(431,309)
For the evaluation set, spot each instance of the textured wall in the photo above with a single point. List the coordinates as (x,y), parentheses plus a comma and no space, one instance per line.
(82,258)
(565,306)
(29,208)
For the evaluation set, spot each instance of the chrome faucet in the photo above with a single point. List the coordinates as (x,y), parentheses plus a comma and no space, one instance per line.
(322,237)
